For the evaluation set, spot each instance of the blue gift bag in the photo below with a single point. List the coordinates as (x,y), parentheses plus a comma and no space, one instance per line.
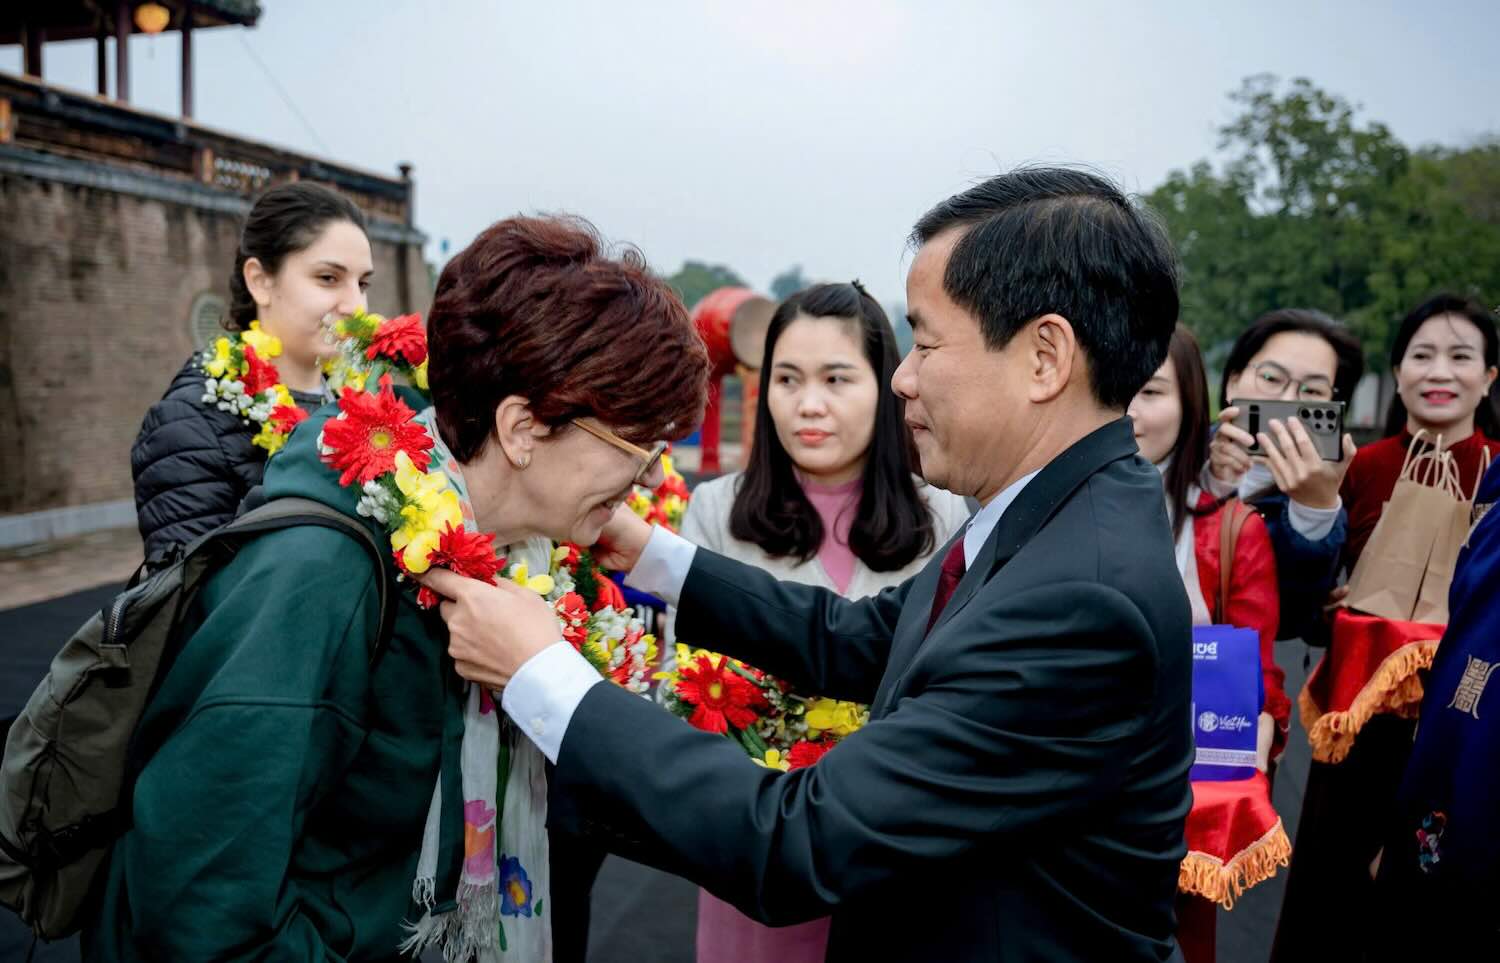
(1228,692)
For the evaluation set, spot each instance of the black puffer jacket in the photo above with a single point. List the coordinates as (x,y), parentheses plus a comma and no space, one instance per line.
(193,463)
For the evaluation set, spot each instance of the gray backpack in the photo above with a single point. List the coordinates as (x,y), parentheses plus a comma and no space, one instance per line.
(70,761)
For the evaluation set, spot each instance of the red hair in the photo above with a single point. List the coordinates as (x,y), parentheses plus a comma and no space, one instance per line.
(535,308)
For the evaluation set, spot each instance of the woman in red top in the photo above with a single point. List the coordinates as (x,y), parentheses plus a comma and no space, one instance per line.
(1444,358)
(1171,419)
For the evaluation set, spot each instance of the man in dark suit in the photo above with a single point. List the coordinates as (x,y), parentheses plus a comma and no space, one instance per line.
(1020,790)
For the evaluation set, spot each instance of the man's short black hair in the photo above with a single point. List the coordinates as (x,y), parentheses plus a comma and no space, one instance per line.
(1048,240)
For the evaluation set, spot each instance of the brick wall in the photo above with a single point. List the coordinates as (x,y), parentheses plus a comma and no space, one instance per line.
(96,289)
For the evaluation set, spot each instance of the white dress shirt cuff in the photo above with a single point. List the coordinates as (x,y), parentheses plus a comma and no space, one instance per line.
(545,692)
(663,566)
(1313,524)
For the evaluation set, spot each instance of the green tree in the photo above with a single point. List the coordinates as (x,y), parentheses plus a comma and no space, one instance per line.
(788,283)
(696,279)
(1315,207)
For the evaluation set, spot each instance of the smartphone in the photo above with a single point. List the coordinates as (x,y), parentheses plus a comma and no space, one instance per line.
(1324,421)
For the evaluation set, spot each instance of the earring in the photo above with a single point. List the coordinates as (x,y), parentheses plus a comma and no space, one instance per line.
(523,461)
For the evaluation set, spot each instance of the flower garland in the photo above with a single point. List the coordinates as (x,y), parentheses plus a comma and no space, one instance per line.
(776,727)
(666,503)
(382,451)
(242,381)
(371,346)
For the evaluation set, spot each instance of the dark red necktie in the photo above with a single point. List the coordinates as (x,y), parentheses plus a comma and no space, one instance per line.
(953,570)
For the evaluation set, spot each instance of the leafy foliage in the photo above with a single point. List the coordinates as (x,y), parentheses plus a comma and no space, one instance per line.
(1316,207)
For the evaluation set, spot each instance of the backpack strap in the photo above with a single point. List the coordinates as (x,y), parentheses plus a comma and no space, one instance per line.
(1233,518)
(279,513)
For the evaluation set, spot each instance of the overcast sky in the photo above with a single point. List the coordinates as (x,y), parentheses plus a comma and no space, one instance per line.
(791,131)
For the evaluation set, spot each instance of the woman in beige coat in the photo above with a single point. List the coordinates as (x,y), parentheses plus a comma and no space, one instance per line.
(829,499)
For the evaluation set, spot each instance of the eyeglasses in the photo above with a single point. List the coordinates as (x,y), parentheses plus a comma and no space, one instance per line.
(1276,379)
(649,457)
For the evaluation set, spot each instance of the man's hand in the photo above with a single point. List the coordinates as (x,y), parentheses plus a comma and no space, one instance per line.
(1298,468)
(623,539)
(492,629)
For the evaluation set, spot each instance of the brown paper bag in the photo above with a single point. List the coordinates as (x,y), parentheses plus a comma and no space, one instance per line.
(1388,578)
(1432,600)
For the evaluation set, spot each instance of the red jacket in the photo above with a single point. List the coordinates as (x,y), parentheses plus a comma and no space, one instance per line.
(1254,601)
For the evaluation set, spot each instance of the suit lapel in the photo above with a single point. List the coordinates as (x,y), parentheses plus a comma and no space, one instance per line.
(1033,507)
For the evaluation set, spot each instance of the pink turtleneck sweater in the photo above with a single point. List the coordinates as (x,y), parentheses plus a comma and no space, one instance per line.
(836,505)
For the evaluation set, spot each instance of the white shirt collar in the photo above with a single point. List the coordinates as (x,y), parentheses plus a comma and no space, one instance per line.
(985,520)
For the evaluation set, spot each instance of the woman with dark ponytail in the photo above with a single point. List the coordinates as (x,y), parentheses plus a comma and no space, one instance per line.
(303,255)
(829,498)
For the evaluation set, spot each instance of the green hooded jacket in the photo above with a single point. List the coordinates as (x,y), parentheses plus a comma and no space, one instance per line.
(280,813)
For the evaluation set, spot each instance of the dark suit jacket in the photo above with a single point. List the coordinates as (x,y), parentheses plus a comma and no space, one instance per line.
(1020,790)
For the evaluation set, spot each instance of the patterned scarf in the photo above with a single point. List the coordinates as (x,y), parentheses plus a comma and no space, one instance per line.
(497,912)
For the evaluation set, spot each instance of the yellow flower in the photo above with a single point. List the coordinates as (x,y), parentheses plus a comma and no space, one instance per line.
(283,396)
(430,506)
(269,439)
(773,760)
(831,715)
(219,364)
(540,584)
(355,380)
(267,346)
(419,376)
(666,465)
(417,553)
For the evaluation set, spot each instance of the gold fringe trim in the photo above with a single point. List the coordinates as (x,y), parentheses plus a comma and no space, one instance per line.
(1209,877)
(1394,689)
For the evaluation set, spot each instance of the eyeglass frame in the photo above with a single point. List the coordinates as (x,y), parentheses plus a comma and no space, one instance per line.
(1300,384)
(649,456)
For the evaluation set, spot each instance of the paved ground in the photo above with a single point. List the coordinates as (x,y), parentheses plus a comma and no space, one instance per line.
(638,914)
(34,573)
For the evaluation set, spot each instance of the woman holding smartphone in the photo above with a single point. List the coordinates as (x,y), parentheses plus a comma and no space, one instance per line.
(1291,354)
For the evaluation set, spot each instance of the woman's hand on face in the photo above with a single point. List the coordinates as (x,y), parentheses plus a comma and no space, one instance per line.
(1298,468)
(623,539)
(492,629)
(1229,452)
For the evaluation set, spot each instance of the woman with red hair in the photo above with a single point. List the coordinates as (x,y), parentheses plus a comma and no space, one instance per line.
(305,793)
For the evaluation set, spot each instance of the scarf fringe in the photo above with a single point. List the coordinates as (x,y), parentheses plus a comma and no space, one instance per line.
(464,933)
(1202,874)
(1394,689)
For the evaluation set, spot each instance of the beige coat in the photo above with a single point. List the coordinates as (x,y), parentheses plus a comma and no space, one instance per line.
(707,524)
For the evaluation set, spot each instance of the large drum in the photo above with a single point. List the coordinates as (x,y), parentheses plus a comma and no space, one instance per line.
(732,323)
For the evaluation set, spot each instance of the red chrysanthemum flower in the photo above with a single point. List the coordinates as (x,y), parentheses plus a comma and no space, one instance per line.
(574,616)
(805,753)
(673,485)
(370,431)
(610,595)
(286,417)
(570,561)
(470,554)
(398,338)
(466,553)
(720,697)
(259,375)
